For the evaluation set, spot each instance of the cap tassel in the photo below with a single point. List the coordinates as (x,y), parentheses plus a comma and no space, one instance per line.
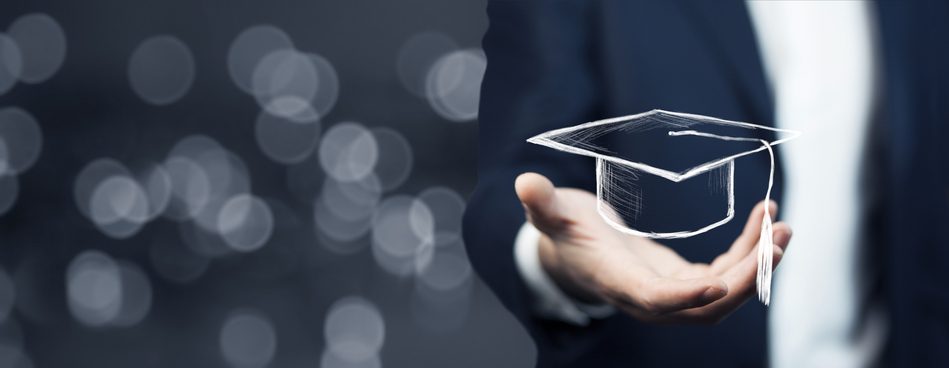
(766,241)
(766,238)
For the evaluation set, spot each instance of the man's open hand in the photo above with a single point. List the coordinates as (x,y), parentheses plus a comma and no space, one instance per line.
(593,262)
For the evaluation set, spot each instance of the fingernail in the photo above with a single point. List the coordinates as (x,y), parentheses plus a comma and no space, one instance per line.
(781,238)
(713,293)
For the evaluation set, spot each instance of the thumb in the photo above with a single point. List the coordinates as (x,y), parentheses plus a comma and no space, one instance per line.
(539,198)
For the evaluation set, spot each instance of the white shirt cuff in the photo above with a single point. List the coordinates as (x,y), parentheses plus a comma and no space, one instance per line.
(549,300)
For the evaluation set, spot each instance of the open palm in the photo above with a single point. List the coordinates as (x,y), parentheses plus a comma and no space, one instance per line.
(593,262)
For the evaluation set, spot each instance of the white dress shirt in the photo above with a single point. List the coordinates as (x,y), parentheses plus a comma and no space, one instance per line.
(819,58)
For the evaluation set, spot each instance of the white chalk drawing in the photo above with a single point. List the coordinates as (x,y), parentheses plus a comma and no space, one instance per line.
(618,197)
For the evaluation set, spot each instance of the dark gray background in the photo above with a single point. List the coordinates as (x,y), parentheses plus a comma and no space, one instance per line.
(88,110)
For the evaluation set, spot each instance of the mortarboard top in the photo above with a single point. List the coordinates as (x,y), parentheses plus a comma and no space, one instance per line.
(618,176)
(582,139)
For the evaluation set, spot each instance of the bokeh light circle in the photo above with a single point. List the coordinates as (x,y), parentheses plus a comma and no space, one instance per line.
(249,47)
(343,212)
(161,70)
(204,175)
(354,329)
(352,200)
(22,139)
(285,83)
(190,188)
(11,63)
(245,222)
(348,152)
(330,360)
(327,89)
(94,288)
(402,227)
(116,198)
(417,56)
(284,140)
(89,179)
(136,299)
(447,208)
(453,85)
(157,185)
(194,145)
(395,158)
(228,178)
(248,340)
(118,206)
(42,44)
(443,289)
(339,235)
(448,269)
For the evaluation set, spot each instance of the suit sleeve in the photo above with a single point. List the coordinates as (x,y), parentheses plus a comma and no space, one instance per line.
(539,77)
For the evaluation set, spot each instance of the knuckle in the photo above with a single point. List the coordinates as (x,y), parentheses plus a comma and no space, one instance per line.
(649,306)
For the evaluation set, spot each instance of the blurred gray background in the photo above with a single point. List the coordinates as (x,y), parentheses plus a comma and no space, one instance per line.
(237,183)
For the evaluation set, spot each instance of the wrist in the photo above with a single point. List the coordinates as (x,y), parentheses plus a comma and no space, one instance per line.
(575,287)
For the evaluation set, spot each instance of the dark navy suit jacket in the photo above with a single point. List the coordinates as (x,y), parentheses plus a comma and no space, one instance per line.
(553,64)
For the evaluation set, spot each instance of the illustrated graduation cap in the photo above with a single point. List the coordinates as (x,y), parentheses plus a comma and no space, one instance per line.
(622,200)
